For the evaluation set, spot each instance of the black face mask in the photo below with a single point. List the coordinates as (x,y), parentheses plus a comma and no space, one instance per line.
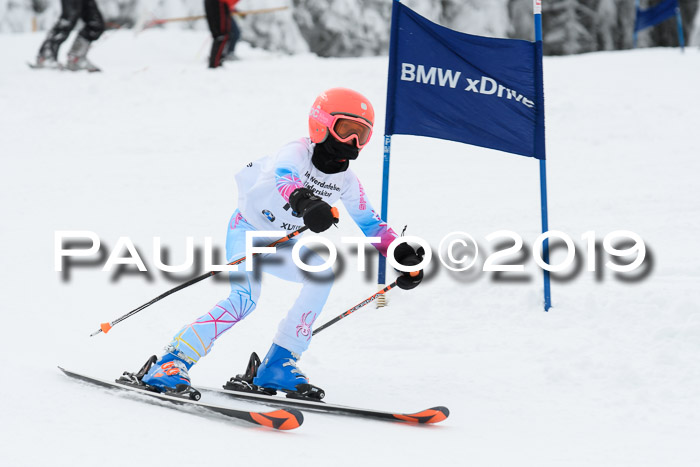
(332,156)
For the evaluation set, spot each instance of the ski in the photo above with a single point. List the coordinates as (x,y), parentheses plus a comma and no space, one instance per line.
(34,66)
(278,419)
(308,397)
(62,67)
(431,415)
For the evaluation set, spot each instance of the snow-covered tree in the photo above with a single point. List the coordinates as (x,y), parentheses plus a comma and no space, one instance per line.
(361,27)
(477,17)
(273,31)
(344,28)
(695,36)
(521,22)
(568,26)
(606,15)
(666,33)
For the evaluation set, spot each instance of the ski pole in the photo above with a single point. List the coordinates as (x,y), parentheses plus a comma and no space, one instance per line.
(105,327)
(158,22)
(358,306)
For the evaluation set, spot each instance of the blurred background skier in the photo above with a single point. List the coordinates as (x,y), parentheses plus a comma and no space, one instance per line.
(294,188)
(94,26)
(224,30)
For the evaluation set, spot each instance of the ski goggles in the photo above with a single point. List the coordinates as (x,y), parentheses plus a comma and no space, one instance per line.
(344,127)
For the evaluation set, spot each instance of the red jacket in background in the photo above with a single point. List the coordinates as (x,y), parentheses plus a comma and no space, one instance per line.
(231,3)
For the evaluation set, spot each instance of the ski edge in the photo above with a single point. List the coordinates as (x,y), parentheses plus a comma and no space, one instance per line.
(282,419)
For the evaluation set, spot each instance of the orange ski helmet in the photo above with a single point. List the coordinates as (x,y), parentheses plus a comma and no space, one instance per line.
(327,114)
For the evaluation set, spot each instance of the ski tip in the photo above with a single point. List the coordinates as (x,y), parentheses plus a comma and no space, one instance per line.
(288,419)
(432,415)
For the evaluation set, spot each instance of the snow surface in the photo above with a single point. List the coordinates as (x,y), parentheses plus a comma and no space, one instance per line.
(609,377)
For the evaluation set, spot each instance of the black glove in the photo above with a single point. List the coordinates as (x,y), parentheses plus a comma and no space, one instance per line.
(405,255)
(318,215)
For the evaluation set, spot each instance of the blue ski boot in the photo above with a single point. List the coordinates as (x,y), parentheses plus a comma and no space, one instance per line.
(279,371)
(168,375)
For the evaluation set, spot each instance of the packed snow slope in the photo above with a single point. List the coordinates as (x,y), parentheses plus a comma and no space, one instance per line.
(148,148)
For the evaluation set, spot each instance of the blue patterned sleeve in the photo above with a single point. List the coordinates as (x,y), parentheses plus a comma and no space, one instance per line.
(367,219)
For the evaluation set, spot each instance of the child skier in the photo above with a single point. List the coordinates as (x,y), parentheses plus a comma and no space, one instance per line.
(295,187)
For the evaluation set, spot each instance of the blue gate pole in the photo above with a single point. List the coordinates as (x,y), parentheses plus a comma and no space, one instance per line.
(543,179)
(679,22)
(381,267)
(636,15)
(388,131)
(545,228)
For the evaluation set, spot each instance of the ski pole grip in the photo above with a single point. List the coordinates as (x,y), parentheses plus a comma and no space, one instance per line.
(336,215)
(414,273)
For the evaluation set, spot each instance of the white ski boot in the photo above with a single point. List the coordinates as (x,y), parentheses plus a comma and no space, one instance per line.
(46,61)
(77,56)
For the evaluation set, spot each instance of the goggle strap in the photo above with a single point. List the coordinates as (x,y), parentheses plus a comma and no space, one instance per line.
(322,117)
